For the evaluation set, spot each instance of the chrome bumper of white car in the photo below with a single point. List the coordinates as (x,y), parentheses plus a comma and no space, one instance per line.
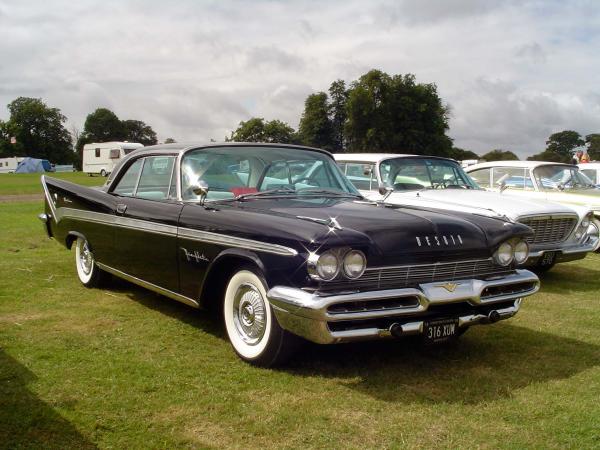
(565,252)
(345,317)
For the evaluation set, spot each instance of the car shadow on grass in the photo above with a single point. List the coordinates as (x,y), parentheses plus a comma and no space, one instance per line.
(485,364)
(569,278)
(25,420)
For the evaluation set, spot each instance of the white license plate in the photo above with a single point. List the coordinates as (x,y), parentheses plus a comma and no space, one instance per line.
(440,330)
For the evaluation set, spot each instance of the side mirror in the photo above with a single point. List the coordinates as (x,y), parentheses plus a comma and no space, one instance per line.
(201,189)
(386,191)
(502,182)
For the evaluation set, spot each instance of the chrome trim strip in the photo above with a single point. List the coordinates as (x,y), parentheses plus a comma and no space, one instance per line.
(149,286)
(171,230)
(49,198)
(233,241)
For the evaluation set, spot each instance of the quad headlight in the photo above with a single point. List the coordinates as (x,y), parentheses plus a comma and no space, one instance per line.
(504,255)
(521,251)
(354,264)
(328,265)
(516,250)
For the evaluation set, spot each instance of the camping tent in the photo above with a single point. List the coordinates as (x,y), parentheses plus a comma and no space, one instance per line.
(33,165)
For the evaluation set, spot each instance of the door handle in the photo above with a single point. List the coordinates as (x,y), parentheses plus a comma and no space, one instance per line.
(121,208)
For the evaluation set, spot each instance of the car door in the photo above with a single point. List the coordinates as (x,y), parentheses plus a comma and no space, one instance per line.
(147,213)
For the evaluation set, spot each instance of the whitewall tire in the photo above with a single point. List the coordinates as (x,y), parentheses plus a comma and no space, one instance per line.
(87,270)
(250,322)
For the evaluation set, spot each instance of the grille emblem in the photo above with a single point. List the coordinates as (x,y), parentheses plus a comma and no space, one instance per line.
(450,287)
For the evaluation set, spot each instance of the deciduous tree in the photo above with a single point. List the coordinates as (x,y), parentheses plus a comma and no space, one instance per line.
(396,114)
(138,131)
(316,129)
(592,142)
(500,155)
(564,143)
(257,130)
(38,130)
(338,100)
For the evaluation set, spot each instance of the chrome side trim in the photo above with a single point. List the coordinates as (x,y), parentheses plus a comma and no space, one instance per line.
(233,241)
(49,198)
(167,230)
(118,221)
(149,286)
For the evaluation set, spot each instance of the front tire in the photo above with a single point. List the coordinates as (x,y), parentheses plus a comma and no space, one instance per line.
(103,173)
(88,271)
(251,326)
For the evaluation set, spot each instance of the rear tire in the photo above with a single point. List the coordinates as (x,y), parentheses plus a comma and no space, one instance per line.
(251,326)
(88,271)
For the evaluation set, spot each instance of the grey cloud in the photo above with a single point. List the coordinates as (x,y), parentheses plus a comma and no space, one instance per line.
(533,53)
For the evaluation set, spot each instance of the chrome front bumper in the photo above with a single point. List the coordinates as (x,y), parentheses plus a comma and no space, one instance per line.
(311,316)
(565,253)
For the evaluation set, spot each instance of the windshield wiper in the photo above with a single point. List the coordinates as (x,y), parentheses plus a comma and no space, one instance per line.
(276,191)
(328,192)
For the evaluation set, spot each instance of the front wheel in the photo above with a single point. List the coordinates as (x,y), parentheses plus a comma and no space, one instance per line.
(103,173)
(250,323)
(88,271)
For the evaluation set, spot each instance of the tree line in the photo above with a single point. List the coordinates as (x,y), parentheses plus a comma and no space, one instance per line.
(375,113)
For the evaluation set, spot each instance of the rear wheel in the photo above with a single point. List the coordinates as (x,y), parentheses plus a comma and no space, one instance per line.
(251,324)
(88,271)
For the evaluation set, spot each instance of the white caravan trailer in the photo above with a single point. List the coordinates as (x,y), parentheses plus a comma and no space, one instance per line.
(102,157)
(8,165)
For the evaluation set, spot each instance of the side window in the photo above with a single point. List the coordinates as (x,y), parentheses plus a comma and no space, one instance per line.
(513,177)
(482,177)
(127,184)
(590,173)
(342,167)
(156,178)
(361,175)
(97,153)
(114,153)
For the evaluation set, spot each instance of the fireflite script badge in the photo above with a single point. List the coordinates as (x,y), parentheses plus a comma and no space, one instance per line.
(195,255)
(450,287)
(435,240)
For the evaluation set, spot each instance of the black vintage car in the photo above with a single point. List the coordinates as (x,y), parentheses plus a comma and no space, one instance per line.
(278,239)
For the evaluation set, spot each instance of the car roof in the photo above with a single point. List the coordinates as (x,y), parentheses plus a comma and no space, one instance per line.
(377,157)
(590,165)
(523,164)
(185,146)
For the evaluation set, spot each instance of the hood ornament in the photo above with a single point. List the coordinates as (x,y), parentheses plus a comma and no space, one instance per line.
(331,222)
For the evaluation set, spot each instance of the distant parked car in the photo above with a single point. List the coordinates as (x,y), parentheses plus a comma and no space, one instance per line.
(562,233)
(592,171)
(100,158)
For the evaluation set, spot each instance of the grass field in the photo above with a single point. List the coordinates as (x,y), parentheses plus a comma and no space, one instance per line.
(125,368)
(29,183)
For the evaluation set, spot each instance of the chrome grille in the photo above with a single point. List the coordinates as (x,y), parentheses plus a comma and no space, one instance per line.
(549,229)
(407,276)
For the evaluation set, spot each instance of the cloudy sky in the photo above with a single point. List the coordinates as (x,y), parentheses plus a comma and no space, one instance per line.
(512,72)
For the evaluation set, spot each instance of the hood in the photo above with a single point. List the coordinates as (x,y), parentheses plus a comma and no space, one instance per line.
(585,197)
(390,234)
(481,202)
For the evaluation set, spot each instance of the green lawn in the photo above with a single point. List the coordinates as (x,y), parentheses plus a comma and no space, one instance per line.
(29,183)
(125,368)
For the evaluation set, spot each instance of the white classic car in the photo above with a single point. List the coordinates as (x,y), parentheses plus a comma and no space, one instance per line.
(562,233)
(556,182)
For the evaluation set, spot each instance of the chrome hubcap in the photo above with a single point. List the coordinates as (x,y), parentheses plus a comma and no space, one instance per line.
(249,314)
(86,259)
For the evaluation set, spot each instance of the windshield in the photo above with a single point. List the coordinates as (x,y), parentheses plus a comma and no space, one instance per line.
(405,174)
(561,177)
(231,172)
